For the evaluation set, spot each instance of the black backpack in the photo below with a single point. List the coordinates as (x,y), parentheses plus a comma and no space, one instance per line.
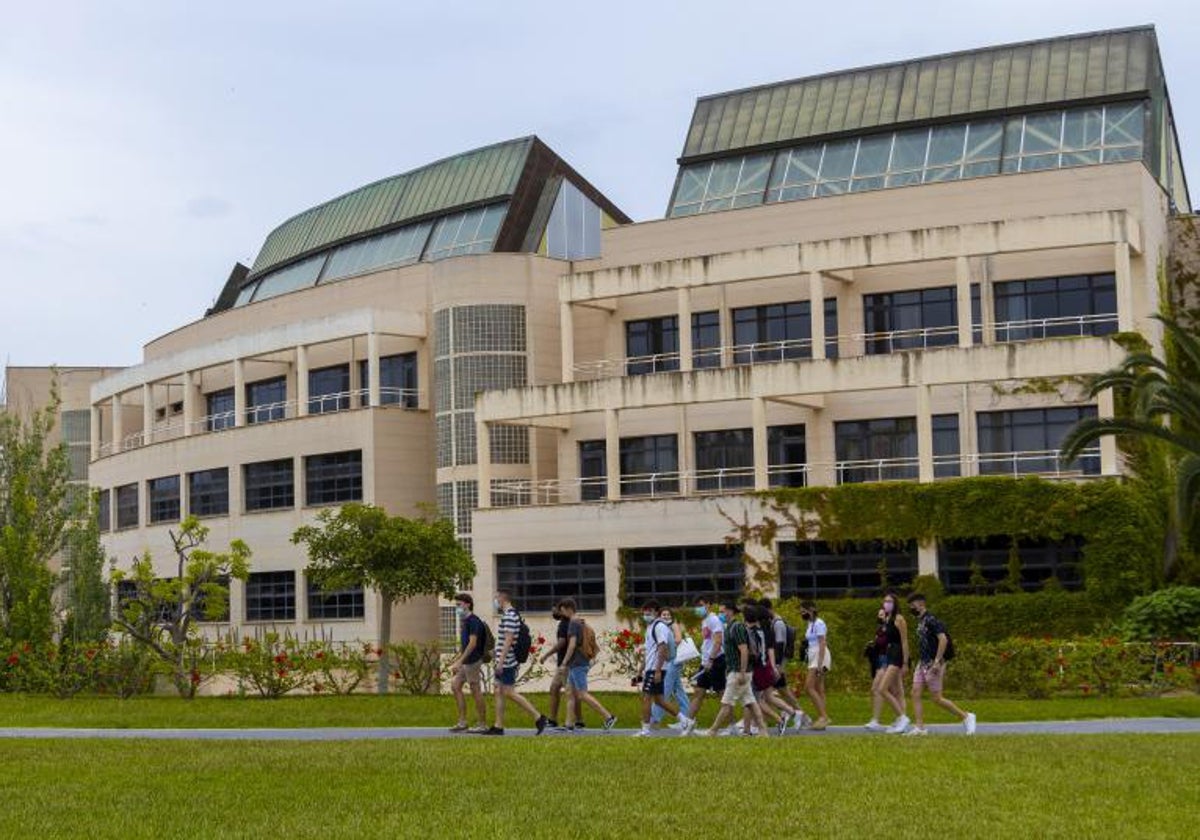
(524,642)
(789,643)
(487,643)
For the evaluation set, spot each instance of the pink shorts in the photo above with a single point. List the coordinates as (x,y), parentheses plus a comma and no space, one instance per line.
(927,676)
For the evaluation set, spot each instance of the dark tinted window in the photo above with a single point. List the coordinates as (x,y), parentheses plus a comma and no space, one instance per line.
(164,498)
(677,575)
(208,492)
(333,477)
(652,345)
(539,580)
(269,485)
(271,596)
(818,569)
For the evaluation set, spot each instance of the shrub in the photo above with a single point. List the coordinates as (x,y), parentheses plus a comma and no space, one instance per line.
(271,665)
(1172,614)
(417,667)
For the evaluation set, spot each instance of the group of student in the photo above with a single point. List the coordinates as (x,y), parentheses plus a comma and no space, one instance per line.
(743,657)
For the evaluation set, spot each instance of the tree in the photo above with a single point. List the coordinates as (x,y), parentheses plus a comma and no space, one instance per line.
(400,558)
(1162,412)
(33,515)
(161,613)
(86,593)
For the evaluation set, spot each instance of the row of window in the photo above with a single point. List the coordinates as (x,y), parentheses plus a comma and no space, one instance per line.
(328,390)
(329,478)
(271,596)
(680,574)
(904,320)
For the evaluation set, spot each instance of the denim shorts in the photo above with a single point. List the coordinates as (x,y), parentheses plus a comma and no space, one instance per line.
(507,676)
(577,677)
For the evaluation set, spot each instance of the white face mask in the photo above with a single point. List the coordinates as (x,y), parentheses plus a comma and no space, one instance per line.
(647,617)
(496,604)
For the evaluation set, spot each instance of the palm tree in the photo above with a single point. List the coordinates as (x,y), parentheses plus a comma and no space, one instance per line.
(1163,398)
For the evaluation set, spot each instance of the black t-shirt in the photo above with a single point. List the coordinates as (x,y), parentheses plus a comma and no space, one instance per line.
(927,636)
(561,635)
(472,625)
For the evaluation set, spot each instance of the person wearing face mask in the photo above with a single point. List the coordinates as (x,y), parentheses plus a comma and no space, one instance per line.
(819,660)
(673,687)
(660,652)
(467,666)
(558,682)
(933,649)
(891,663)
(738,688)
(712,654)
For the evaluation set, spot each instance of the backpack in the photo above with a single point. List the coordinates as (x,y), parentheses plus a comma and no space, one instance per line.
(487,642)
(524,641)
(670,638)
(788,649)
(590,647)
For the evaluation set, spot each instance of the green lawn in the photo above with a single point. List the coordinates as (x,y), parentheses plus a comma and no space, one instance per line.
(1013,786)
(368,710)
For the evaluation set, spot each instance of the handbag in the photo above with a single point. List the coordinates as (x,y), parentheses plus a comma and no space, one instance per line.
(686,651)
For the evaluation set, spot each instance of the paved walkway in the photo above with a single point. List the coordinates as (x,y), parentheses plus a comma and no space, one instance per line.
(1105,726)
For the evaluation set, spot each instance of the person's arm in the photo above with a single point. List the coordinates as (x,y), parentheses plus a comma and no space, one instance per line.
(902,626)
(465,654)
(821,653)
(743,658)
(943,640)
(718,645)
(570,650)
(661,649)
(558,645)
(510,638)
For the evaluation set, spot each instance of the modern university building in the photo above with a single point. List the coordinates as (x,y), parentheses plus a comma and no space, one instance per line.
(854,275)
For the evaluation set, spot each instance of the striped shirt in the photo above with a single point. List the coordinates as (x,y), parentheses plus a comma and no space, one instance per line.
(510,622)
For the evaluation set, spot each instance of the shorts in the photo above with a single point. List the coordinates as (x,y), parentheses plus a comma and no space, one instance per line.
(812,658)
(883,661)
(470,673)
(926,676)
(654,689)
(714,678)
(738,693)
(577,677)
(507,676)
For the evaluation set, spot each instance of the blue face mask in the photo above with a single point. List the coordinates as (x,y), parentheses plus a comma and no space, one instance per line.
(496,604)
(724,620)
(647,617)
(701,611)
(460,612)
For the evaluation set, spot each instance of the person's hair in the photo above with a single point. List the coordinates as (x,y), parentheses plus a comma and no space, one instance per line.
(566,604)
(765,603)
(916,596)
(706,600)
(505,594)
(650,606)
(465,598)
(753,613)
(809,607)
(893,594)
(732,606)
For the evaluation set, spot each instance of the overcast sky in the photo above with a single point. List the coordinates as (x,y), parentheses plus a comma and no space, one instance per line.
(147,146)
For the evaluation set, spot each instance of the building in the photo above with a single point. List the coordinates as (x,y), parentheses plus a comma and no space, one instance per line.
(854,275)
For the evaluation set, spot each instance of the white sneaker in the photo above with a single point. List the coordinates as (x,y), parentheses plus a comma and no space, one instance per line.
(900,726)
(969,723)
(677,726)
(734,729)
(916,730)
(685,724)
(874,726)
(801,721)
(643,733)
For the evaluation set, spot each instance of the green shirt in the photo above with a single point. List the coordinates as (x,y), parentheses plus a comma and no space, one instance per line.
(736,635)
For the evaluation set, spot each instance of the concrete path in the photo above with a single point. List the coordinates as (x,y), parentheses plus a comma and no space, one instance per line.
(1104,726)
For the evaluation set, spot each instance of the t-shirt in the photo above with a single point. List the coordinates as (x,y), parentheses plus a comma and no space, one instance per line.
(779,627)
(758,645)
(561,635)
(575,631)
(813,633)
(472,625)
(736,635)
(658,633)
(510,622)
(927,637)
(708,630)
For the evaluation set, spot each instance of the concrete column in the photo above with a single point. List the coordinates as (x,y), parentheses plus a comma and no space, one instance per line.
(483,462)
(612,580)
(356,383)
(927,561)
(1124,283)
(683,450)
(189,402)
(987,303)
(301,381)
(962,275)
(684,308)
(924,435)
(612,454)
(239,392)
(185,495)
(816,298)
(118,425)
(373,397)
(1109,462)
(298,482)
(566,326)
(724,328)
(968,435)
(94,433)
(821,450)
(147,414)
(758,427)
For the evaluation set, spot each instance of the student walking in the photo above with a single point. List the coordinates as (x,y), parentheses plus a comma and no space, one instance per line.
(673,686)
(467,667)
(783,643)
(738,688)
(712,654)
(818,659)
(558,683)
(507,664)
(891,662)
(933,643)
(581,647)
(659,651)
(764,673)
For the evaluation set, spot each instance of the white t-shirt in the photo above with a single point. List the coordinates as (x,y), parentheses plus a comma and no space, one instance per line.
(815,630)
(708,629)
(657,633)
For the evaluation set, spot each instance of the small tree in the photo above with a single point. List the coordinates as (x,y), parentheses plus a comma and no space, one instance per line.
(86,595)
(161,613)
(400,558)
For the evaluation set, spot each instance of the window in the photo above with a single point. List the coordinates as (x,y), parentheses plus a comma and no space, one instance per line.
(387,250)
(334,604)
(1026,441)
(291,278)
(780,331)
(678,575)
(539,580)
(221,411)
(820,570)
(649,465)
(946,459)
(1056,306)
(722,184)
(706,339)
(164,498)
(104,510)
(724,460)
(329,389)
(332,478)
(469,232)
(397,380)
(1039,559)
(911,319)
(593,470)
(652,345)
(271,596)
(573,232)
(786,456)
(266,400)
(269,485)
(200,603)
(1076,137)
(208,492)
(127,506)
(883,449)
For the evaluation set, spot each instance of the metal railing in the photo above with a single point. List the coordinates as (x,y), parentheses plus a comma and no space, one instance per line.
(1036,329)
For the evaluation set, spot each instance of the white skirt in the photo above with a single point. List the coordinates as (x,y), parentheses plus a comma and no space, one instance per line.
(813,650)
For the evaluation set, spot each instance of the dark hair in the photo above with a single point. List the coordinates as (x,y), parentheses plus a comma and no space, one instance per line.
(893,594)
(505,594)
(753,613)
(707,600)
(731,606)
(765,603)
(651,606)
(809,607)
(566,603)
(916,596)
(466,599)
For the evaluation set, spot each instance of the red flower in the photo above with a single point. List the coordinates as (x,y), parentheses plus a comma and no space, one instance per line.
(282,672)
(541,640)
(318,687)
(319,654)
(280,658)
(379,651)
(626,632)
(195,677)
(13,659)
(1085,688)
(90,655)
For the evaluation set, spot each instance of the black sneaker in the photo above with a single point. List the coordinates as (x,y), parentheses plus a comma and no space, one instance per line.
(552,723)
(580,726)
(493,730)
(610,723)
(541,723)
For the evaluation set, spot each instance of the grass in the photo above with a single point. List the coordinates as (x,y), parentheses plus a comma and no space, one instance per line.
(1011,786)
(369,710)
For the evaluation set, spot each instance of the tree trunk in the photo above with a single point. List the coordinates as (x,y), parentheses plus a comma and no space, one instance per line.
(385,638)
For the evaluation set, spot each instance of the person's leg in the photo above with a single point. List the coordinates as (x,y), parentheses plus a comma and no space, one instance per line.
(918,688)
(892,682)
(878,686)
(500,697)
(722,718)
(753,712)
(571,705)
(679,691)
(668,705)
(819,697)
(460,701)
(647,706)
(810,688)
(480,702)
(521,701)
(556,690)
(590,699)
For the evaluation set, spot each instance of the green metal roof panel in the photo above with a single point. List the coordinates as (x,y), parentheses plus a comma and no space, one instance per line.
(1114,63)
(470,178)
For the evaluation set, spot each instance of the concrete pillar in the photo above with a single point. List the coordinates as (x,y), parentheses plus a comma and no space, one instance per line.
(924,435)
(612,454)
(612,580)
(927,558)
(1109,463)
(118,425)
(298,482)
(968,435)
(94,433)
(821,450)
(987,303)
(566,326)
(147,413)
(684,308)
(483,461)
(239,392)
(683,450)
(189,402)
(724,328)
(1124,283)
(185,496)
(962,275)
(356,383)
(758,427)
(301,381)
(816,303)
(373,378)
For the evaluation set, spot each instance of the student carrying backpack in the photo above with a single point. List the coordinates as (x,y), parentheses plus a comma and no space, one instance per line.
(590,647)
(524,641)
